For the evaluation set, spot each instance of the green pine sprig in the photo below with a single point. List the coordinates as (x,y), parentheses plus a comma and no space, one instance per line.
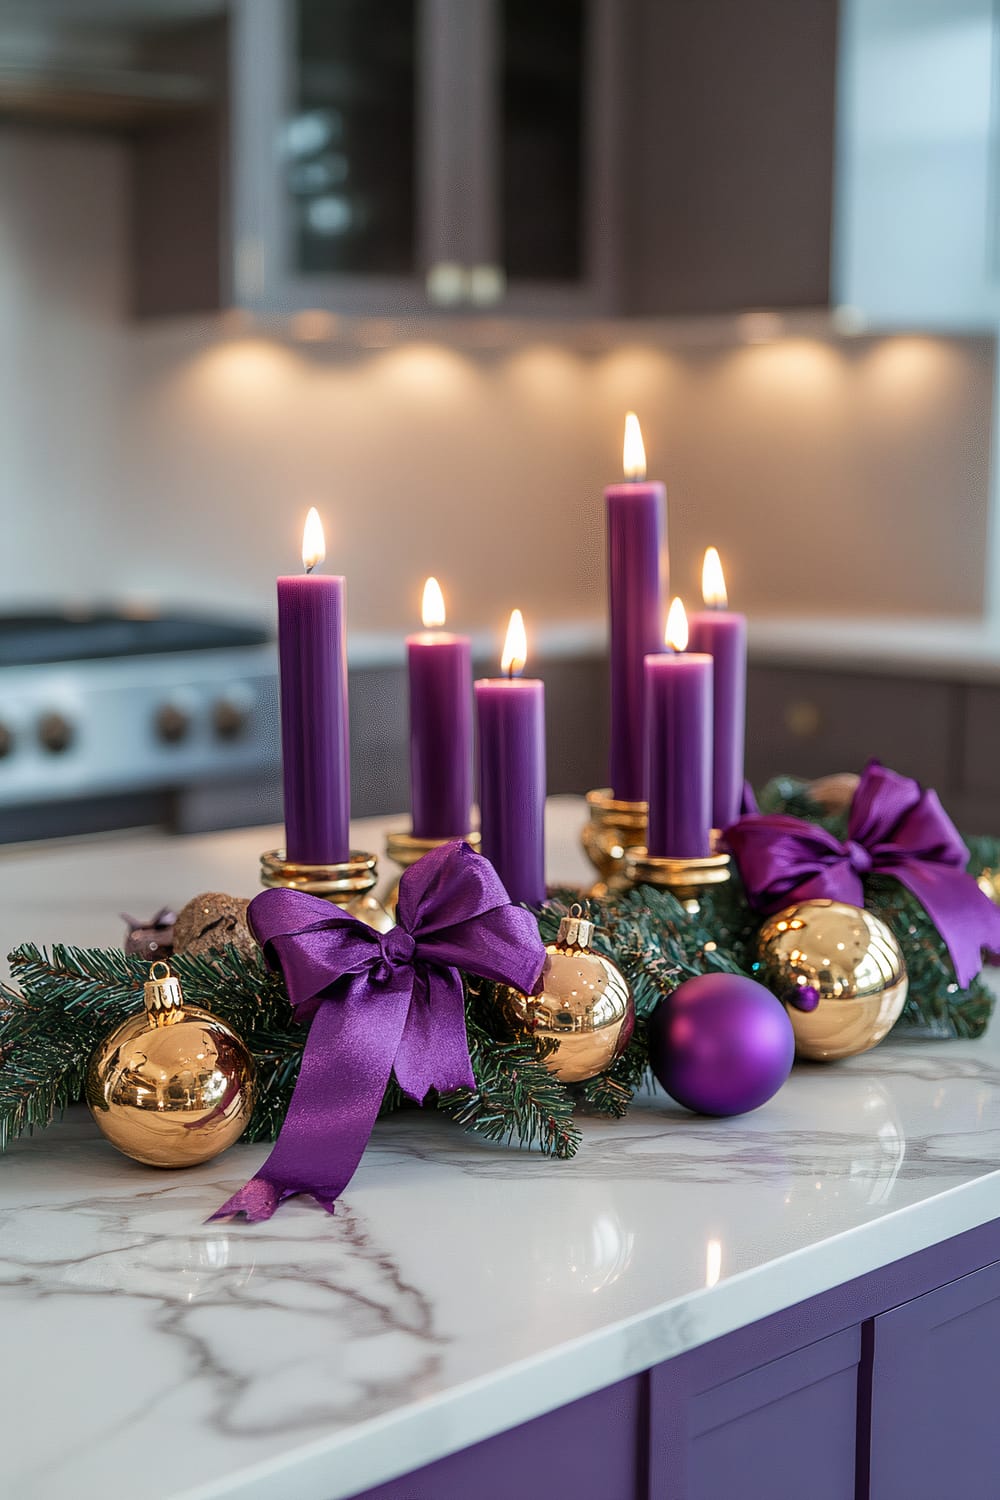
(63,1001)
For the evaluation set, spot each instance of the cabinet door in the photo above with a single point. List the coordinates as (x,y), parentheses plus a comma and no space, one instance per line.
(334,160)
(553,160)
(935,1375)
(730,128)
(780,1432)
(593,1449)
(817,722)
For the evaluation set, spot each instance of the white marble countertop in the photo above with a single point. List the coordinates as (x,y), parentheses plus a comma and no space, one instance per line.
(461,1288)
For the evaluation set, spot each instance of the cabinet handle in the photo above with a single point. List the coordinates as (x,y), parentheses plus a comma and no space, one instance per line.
(487,285)
(249,274)
(802,719)
(446,283)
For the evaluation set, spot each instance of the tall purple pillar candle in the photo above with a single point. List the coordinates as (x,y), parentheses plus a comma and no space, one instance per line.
(679,746)
(315,741)
(440,676)
(637,563)
(723,634)
(510,712)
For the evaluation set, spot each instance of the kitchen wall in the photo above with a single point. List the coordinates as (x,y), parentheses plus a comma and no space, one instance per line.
(177,461)
(63,347)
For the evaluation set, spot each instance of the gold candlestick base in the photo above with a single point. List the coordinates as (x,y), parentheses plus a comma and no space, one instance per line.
(684,878)
(348,885)
(613,829)
(404,849)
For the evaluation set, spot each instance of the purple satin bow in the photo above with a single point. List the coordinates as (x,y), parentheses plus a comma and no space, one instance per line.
(379,1002)
(895,828)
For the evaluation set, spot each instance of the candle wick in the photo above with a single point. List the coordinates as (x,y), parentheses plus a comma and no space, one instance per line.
(510,672)
(309,568)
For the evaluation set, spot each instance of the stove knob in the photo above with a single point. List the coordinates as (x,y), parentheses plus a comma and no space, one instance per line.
(172,724)
(7,741)
(229,718)
(55,733)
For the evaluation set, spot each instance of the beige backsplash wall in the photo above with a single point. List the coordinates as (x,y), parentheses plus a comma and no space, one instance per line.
(177,462)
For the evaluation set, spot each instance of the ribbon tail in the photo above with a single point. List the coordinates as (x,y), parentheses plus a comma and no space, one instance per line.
(346,1066)
(965,917)
(258,1200)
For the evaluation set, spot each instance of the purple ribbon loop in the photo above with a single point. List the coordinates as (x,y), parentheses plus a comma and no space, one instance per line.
(895,828)
(379,1002)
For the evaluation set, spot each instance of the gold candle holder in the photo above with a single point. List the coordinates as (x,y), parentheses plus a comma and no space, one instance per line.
(404,849)
(684,878)
(348,885)
(613,828)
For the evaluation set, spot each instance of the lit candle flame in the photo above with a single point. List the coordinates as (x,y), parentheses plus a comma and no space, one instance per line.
(515,647)
(713,581)
(713,1262)
(677,627)
(313,541)
(432,609)
(633,451)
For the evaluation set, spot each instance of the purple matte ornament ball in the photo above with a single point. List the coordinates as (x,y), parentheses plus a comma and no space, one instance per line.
(721,1044)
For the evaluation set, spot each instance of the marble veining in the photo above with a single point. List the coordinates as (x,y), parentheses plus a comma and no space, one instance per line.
(461,1288)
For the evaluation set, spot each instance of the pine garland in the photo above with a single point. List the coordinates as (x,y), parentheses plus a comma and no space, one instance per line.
(936,1006)
(63,1001)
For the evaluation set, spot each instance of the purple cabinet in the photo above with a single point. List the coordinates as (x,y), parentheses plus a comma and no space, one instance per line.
(935,1374)
(594,1449)
(883,1388)
(784,1430)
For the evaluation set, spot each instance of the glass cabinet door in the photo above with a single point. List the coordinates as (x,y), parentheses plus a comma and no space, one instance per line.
(397,155)
(330,171)
(348,148)
(557,66)
(542,177)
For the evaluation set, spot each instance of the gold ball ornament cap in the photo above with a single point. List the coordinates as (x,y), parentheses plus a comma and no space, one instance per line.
(173,1085)
(839,972)
(583,1015)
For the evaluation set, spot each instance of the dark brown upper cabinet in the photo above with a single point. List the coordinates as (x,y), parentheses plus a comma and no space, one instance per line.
(730,161)
(653,158)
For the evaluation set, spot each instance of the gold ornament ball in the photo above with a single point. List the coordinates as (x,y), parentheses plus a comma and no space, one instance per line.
(173,1085)
(839,972)
(584,1013)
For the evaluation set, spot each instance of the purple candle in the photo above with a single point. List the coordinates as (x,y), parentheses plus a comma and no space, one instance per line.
(440,672)
(723,635)
(315,744)
(637,559)
(511,719)
(679,746)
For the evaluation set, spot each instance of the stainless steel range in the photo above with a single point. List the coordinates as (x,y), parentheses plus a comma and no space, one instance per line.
(110,719)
